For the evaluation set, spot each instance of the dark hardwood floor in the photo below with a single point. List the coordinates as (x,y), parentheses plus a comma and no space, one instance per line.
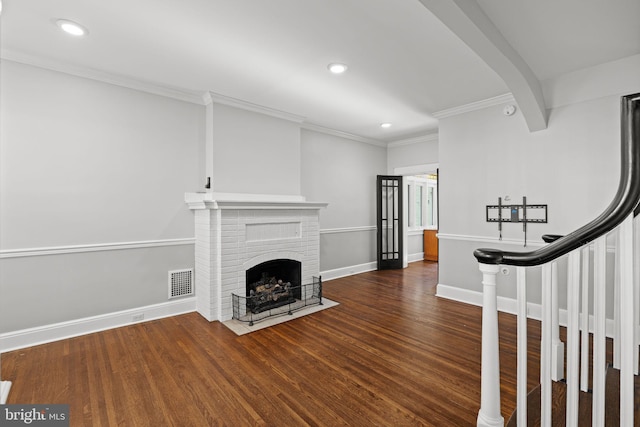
(391,354)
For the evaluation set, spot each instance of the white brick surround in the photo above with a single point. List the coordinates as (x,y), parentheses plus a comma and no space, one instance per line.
(235,232)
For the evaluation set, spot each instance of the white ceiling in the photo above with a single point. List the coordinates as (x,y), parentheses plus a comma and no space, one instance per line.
(404,64)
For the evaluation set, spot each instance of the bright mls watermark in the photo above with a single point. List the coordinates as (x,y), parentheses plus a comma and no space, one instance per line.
(34,415)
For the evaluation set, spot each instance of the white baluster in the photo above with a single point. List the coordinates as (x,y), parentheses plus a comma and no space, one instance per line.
(489,414)
(573,337)
(545,347)
(557,352)
(627,325)
(616,301)
(522,346)
(584,320)
(599,326)
(636,289)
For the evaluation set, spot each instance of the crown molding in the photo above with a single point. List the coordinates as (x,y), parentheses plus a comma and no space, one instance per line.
(415,140)
(341,134)
(473,106)
(102,76)
(210,97)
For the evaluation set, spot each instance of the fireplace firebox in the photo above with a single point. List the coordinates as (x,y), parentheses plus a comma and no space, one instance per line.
(272,284)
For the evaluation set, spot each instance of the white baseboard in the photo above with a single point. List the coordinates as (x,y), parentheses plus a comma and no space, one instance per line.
(509,305)
(44,334)
(348,271)
(5,386)
(416,257)
(361,268)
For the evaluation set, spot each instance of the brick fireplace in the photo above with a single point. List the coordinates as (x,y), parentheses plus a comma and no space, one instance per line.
(235,232)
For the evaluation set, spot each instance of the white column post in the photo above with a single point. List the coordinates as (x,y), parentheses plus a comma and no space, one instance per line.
(489,414)
(209,140)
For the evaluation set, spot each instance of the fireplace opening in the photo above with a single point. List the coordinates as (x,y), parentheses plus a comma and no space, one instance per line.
(273,284)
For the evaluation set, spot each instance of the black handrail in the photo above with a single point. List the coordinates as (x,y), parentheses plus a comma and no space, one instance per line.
(626,200)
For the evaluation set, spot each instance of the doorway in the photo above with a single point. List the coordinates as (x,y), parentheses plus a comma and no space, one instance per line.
(420,201)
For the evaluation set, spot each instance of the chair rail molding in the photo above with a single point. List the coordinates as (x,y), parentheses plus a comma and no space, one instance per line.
(93,247)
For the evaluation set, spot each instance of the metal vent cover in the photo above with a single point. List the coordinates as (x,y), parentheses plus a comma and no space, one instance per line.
(180,283)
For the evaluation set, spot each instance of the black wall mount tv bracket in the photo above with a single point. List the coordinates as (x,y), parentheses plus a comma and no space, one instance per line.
(523,213)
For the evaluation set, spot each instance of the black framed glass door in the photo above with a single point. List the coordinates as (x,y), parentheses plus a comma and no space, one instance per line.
(389,222)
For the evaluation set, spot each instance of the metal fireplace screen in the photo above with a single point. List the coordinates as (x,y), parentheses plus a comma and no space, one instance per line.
(276,300)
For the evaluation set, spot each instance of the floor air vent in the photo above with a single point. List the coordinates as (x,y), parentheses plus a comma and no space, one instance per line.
(180,283)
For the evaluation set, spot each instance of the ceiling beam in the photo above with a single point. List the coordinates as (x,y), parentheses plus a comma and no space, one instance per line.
(467,20)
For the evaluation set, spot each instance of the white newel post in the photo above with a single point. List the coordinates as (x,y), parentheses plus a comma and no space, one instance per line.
(489,414)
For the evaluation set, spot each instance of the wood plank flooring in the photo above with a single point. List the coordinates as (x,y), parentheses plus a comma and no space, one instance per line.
(391,354)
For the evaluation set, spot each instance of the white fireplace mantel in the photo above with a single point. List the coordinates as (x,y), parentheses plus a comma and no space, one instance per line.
(211,200)
(237,231)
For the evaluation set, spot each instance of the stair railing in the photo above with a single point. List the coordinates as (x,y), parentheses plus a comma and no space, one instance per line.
(617,220)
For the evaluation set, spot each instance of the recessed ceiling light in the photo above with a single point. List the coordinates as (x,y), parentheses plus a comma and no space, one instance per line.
(71,27)
(385,125)
(337,68)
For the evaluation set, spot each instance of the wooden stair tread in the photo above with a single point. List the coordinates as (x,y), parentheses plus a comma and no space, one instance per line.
(558,408)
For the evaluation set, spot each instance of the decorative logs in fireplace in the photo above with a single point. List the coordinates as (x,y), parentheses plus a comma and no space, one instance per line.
(298,298)
(267,293)
(272,284)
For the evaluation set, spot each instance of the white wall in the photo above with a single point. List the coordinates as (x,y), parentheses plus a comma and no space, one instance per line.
(402,155)
(573,166)
(254,152)
(84,163)
(343,173)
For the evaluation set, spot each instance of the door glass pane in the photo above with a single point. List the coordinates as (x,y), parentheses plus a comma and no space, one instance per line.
(430,206)
(396,211)
(418,206)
